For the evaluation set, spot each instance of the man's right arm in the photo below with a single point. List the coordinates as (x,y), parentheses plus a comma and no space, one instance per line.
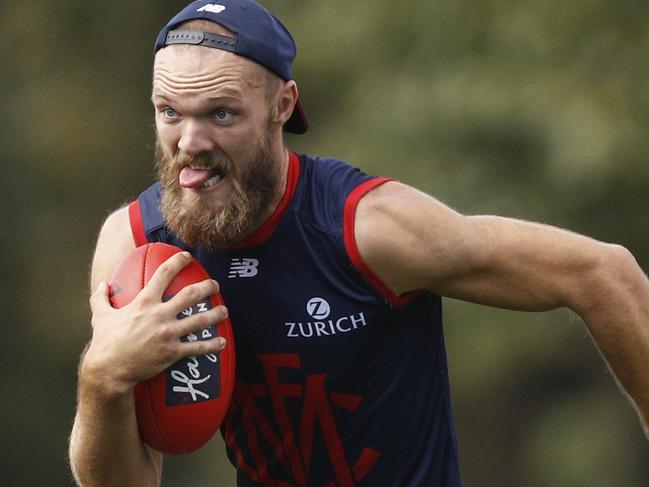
(129,345)
(105,447)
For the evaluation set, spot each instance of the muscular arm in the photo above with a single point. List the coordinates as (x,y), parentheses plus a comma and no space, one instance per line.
(105,447)
(414,242)
(129,345)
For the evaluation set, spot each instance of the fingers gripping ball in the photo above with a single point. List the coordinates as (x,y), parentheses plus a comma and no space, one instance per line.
(180,409)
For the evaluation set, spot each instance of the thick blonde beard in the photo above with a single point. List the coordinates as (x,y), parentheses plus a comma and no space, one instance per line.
(202,222)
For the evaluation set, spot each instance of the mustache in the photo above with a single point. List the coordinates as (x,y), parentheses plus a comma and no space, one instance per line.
(203,160)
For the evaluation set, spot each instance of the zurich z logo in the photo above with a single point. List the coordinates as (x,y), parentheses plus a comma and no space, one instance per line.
(215,8)
(318,308)
(243,268)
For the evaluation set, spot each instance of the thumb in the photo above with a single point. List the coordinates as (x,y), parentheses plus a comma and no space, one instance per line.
(99,299)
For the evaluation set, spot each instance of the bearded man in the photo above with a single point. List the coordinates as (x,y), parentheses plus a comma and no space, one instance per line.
(341,375)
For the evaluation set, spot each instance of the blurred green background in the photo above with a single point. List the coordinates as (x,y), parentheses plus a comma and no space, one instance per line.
(537,110)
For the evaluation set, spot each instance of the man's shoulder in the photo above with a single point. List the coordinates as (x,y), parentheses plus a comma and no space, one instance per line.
(325,164)
(324,188)
(113,244)
(326,175)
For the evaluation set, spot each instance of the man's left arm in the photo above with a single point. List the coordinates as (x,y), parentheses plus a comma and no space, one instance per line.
(412,241)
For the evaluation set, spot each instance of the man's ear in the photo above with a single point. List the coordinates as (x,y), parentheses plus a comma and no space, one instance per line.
(286,100)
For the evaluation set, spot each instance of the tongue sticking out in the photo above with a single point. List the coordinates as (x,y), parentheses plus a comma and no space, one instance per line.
(194,178)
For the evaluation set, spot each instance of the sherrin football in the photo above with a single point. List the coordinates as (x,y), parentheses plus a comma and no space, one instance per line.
(180,409)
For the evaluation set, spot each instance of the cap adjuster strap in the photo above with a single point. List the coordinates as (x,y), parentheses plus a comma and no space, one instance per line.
(199,38)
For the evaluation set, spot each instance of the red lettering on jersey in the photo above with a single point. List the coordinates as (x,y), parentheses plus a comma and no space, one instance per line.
(252,419)
(278,392)
(317,411)
(317,407)
(365,463)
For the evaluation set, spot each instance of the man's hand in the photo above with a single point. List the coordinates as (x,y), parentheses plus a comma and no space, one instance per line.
(129,345)
(142,339)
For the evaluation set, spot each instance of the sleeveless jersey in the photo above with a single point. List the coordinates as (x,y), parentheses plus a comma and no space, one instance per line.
(340,382)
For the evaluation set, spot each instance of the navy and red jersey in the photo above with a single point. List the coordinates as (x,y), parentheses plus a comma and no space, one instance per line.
(340,382)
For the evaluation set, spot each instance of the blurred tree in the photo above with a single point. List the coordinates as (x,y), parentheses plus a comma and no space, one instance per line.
(537,110)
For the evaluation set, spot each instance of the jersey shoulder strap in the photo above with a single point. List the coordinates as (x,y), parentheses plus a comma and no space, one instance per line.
(147,222)
(327,197)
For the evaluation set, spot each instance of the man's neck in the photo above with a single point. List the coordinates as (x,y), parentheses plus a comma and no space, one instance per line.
(281,158)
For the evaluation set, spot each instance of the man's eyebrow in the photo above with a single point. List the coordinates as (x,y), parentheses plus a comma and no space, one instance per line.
(222,95)
(159,96)
(231,95)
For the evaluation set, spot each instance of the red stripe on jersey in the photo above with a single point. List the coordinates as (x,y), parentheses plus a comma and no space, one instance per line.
(137,228)
(350,241)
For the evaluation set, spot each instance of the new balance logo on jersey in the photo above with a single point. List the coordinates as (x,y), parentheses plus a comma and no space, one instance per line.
(243,268)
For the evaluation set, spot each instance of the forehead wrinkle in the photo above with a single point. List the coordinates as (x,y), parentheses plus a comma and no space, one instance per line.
(197,67)
(223,84)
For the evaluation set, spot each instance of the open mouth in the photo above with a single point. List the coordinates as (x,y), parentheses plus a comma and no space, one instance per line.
(190,177)
(212,181)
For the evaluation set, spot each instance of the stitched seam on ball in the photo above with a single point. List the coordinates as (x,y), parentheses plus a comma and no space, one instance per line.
(144,267)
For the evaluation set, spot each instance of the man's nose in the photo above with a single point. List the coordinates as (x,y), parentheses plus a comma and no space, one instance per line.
(195,138)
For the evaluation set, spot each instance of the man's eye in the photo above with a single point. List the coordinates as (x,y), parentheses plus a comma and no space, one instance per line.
(223,115)
(169,112)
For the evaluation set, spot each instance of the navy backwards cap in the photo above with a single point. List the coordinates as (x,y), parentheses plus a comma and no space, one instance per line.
(258,35)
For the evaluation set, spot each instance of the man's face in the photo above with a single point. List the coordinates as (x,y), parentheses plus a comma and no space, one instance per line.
(214,149)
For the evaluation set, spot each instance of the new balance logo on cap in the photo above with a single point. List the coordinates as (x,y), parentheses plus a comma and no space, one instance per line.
(243,268)
(215,8)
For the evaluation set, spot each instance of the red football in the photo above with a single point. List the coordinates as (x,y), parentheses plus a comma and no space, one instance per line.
(182,407)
